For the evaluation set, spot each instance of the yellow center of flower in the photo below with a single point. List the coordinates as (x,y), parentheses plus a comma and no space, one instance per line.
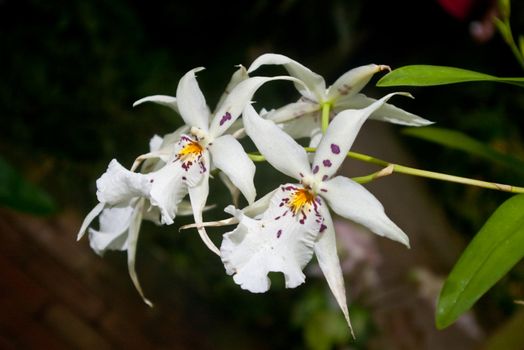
(300,198)
(192,148)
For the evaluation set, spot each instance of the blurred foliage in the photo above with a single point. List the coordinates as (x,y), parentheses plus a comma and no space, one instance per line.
(72,69)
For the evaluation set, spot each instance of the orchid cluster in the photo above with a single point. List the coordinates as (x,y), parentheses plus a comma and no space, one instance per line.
(282,230)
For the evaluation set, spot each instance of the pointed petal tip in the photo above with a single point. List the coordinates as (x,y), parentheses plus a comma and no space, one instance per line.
(383,67)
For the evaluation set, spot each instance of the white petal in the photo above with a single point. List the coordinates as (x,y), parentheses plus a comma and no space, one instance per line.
(339,137)
(159,154)
(233,190)
(155,143)
(305,126)
(314,82)
(198,197)
(134,230)
(236,101)
(278,242)
(279,149)
(352,201)
(327,257)
(184,208)
(191,101)
(168,101)
(88,219)
(168,189)
(353,81)
(256,209)
(387,112)
(169,184)
(293,111)
(114,223)
(239,75)
(228,155)
(118,185)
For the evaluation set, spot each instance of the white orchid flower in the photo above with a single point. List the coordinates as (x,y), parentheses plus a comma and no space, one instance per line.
(121,211)
(302,118)
(296,221)
(189,157)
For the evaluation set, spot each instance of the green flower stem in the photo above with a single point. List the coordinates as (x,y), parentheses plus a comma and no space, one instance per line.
(326,106)
(390,168)
(434,175)
(504,27)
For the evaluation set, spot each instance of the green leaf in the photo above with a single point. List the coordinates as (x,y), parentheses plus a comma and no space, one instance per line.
(460,141)
(503,28)
(426,75)
(21,195)
(496,248)
(521,44)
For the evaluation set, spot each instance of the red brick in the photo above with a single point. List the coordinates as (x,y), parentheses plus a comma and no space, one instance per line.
(72,329)
(19,288)
(65,286)
(24,331)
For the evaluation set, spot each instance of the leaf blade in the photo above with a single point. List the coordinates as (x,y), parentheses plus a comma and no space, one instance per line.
(430,75)
(459,141)
(495,249)
(19,194)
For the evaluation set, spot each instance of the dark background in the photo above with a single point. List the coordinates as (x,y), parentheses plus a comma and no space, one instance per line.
(72,69)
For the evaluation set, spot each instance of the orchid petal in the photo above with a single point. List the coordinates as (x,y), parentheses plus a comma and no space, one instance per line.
(280,150)
(255,209)
(168,188)
(352,201)
(236,101)
(387,113)
(233,190)
(239,75)
(305,126)
(229,156)
(134,230)
(198,197)
(314,82)
(327,257)
(155,143)
(293,111)
(88,219)
(114,223)
(119,185)
(163,100)
(339,137)
(191,101)
(278,242)
(353,81)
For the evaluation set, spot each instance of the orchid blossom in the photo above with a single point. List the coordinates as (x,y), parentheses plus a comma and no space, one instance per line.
(294,221)
(121,211)
(188,157)
(302,118)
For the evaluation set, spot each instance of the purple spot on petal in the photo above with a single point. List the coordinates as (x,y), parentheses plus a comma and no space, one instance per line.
(324,178)
(152,180)
(335,148)
(279,232)
(315,169)
(327,163)
(322,228)
(225,118)
(323,190)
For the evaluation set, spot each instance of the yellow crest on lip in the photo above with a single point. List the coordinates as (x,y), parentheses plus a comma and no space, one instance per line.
(192,148)
(300,198)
